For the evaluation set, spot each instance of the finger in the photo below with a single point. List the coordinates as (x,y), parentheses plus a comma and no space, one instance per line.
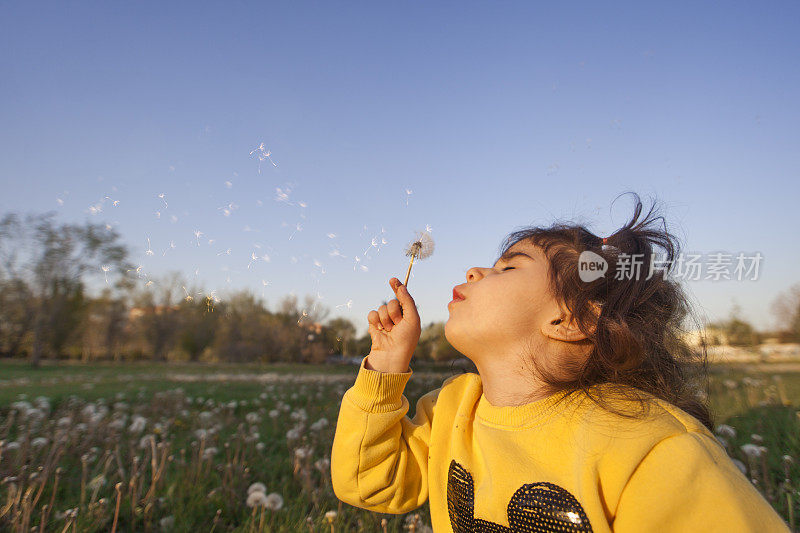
(395,311)
(374,319)
(385,320)
(406,301)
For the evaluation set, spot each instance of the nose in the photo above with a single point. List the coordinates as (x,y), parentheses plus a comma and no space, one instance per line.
(474,273)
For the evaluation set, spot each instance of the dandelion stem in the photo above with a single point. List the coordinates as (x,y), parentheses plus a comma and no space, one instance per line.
(118,486)
(409,271)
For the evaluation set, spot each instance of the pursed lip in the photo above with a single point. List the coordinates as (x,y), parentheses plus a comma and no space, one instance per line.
(457,295)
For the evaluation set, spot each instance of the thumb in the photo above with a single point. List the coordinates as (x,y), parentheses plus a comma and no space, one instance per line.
(403,296)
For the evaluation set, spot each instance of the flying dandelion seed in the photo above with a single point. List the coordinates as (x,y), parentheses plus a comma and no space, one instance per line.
(108,227)
(263,154)
(336,253)
(149,248)
(253,258)
(421,248)
(173,218)
(373,244)
(348,304)
(409,192)
(189,297)
(196,272)
(210,300)
(158,214)
(282,196)
(302,316)
(331,235)
(116,203)
(228,184)
(226,252)
(197,234)
(162,196)
(228,209)
(298,227)
(60,201)
(170,247)
(105,269)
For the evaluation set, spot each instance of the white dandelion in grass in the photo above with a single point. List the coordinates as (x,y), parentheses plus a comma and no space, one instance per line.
(256,487)
(274,501)
(420,248)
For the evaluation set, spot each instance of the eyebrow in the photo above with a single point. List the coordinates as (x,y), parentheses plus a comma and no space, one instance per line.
(509,255)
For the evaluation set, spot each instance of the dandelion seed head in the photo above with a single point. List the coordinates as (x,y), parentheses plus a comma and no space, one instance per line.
(256,487)
(422,247)
(256,499)
(274,501)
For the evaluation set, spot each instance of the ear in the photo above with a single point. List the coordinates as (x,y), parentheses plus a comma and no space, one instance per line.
(563,326)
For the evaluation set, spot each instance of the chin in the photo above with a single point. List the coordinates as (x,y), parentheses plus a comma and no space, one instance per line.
(451,334)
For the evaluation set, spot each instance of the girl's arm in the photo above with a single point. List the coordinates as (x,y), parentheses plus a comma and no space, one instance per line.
(379,459)
(687,482)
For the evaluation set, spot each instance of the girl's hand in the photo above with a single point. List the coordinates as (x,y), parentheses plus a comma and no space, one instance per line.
(395,330)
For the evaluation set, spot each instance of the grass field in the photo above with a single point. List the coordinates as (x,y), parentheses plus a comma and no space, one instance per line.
(144,447)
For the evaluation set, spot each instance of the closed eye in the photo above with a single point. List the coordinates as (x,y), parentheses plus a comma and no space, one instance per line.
(506,268)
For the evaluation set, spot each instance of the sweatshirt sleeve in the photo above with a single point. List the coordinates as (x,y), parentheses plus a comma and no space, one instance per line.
(379,459)
(687,482)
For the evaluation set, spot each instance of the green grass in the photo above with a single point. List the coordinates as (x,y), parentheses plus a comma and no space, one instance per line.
(201,494)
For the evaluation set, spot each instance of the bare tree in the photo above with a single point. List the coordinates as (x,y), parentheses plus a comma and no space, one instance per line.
(16,315)
(160,320)
(786,308)
(52,261)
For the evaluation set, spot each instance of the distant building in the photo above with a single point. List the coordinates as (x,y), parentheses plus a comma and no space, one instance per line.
(714,336)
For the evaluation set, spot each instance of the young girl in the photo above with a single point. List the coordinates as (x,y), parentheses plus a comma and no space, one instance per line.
(585,414)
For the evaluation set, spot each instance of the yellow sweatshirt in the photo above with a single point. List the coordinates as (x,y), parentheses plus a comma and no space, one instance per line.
(574,467)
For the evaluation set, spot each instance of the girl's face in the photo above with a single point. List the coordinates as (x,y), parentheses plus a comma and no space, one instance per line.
(504,307)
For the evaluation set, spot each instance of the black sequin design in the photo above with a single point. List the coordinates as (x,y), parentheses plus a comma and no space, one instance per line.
(535,507)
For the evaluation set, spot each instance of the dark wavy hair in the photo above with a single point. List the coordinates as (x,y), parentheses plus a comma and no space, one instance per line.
(637,340)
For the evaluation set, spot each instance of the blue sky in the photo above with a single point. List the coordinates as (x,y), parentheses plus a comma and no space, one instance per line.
(494,115)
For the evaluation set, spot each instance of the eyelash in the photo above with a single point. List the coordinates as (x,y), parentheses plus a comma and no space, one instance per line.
(506,268)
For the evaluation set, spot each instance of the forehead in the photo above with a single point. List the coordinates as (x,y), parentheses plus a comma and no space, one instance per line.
(526,247)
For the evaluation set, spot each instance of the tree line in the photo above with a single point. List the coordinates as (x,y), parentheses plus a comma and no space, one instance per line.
(45,311)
